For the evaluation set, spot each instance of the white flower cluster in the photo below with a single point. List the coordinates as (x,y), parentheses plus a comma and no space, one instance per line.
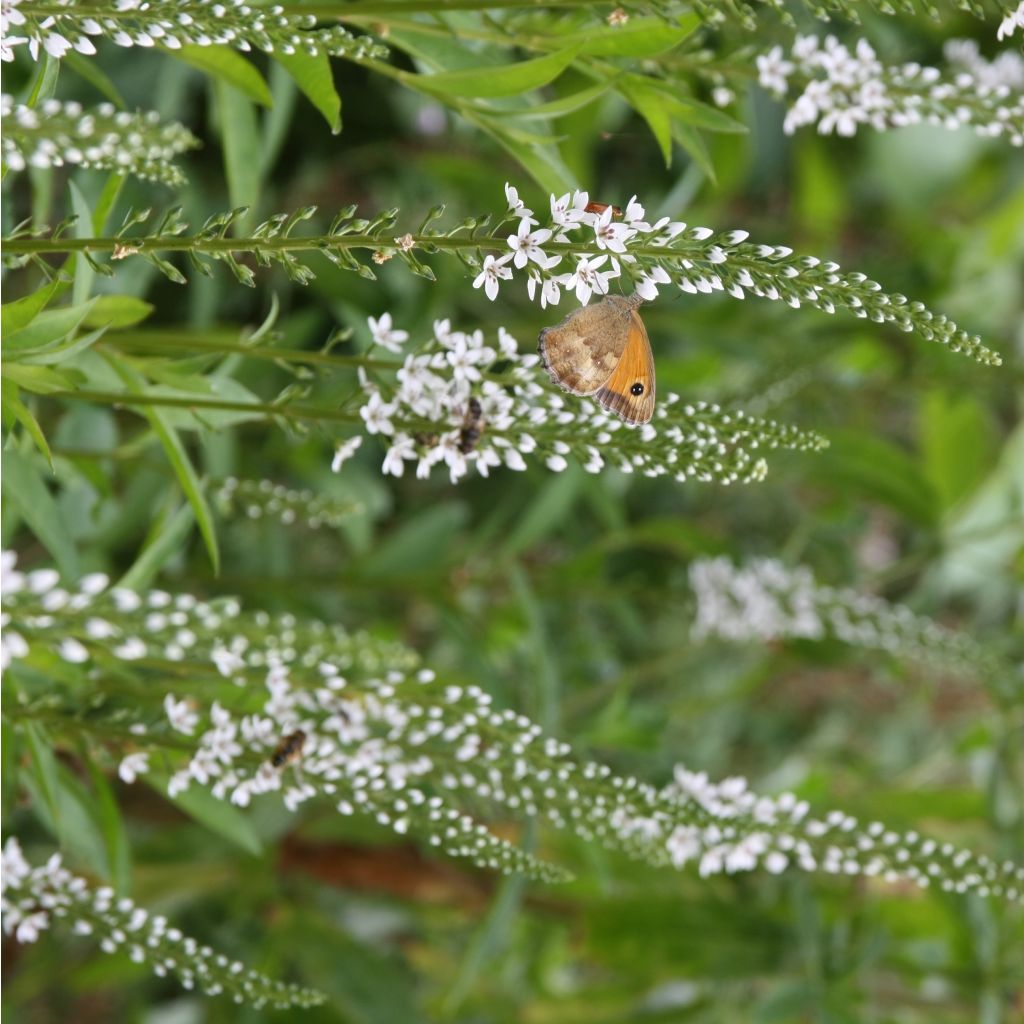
(843,90)
(742,830)
(263,499)
(593,272)
(462,403)
(403,747)
(764,600)
(696,260)
(34,897)
(59,133)
(65,25)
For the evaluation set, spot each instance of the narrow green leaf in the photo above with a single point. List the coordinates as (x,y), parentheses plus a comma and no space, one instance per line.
(66,348)
(226,65)
(178,457)
(87,68)
(45,85)
(41,380)
(690,139)
(20,313)
(314,77)
(24,488)
(46,330)
(117,311)
(106,201)
(84,274)
(640,37)
(218,816)
(14,406)
(107,816)
(165,539)
(701,115)
(43,763)
(650,104)
(564,104)
(489,82)
(240,136)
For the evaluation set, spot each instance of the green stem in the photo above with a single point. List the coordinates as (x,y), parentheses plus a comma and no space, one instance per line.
(185,341)
(293,412)
(195,243)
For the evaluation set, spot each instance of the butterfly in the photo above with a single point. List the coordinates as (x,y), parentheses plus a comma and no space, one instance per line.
(603,351)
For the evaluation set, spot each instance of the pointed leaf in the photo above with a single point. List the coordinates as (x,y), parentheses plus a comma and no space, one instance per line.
(313,76)
(487,82)
(227,66)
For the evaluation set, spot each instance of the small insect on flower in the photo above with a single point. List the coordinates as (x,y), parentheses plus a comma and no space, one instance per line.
(472,426)
(595,207)
(289,749)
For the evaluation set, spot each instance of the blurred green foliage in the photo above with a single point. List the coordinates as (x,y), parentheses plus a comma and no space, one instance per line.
(564,596)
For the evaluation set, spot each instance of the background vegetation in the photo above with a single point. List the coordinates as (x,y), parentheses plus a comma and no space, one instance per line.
(566,596)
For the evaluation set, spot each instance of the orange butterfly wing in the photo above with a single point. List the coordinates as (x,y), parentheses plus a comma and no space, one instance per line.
(629,391)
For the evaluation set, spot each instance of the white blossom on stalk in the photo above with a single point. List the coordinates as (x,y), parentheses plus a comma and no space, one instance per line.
(843,89)
(516,206)
(611,235)
(397,745)
(1011,22)
(587,279)
(526,245)
(346,449)
(494,270)
(385,335)
(132,766)
(35,899)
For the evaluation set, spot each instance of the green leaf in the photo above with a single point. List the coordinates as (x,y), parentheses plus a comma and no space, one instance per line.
(650,103)
(165,539)
(218,816)
(491,82)
(240,136)
(20,313)
(564,105)
(14,406)
(107,816)
(690,139)
(957,443)
(86,67)
(46,330)
(639,37)
(117,311)
(41,380)
(314,77)
(178,457)
(700,115)
(43,763)
(84,274)
(24,488)
(188,479)
(71,345)
(105,203)
(227,66)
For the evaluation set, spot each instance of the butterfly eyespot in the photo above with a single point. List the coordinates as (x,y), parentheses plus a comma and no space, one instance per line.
(637,389)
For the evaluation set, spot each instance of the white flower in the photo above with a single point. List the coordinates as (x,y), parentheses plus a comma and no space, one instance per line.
(570,209)
(345,451)
(402,449)
(721,96)
(73,651)
(462,359)
(508,345)
(647,286)
(516,205)
(227,662)
(1013,21)
(773,69)
(493,271)
(588,280)
(132,766)
(377,415)
(611,235)
(384,335)
(180,715)
(526,244)
(13,646)
(30,926)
